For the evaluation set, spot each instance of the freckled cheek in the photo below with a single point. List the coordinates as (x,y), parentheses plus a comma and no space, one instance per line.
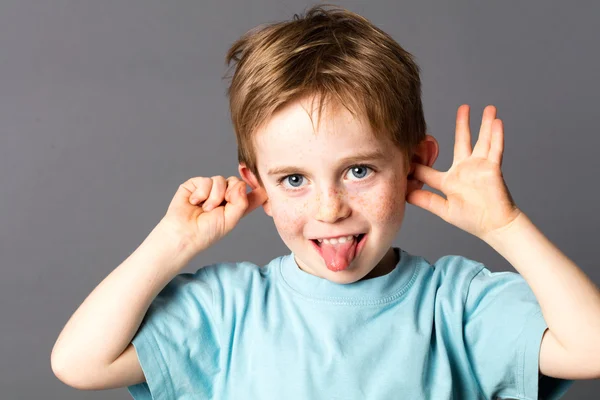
(289,217)
(382,206)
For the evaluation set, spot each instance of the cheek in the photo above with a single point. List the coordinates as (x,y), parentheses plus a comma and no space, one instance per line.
(383,204)
(289,216)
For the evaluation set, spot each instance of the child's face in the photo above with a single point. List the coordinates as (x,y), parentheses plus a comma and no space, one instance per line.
(328,189)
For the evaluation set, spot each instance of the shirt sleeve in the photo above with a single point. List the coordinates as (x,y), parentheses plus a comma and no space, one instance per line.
(503,328)
(177,342)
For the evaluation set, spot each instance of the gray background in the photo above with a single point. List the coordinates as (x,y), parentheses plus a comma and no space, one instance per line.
(107,106)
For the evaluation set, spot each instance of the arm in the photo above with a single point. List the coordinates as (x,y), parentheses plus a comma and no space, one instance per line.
(569,300)
(478,202)
(93,351)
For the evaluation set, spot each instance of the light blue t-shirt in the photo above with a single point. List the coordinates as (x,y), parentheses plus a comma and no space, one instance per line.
(448,330)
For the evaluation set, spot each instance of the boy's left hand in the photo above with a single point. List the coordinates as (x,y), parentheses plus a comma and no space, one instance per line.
(477,198)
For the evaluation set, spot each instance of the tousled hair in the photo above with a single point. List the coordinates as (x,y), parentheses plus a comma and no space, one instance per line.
(330,54)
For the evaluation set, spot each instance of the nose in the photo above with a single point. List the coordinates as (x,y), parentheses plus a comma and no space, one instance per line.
(332,206)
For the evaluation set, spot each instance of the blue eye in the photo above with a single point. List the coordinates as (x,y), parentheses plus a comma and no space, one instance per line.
(359,171)
(294,180)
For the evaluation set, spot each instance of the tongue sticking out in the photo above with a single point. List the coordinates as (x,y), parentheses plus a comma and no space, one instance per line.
(338,256)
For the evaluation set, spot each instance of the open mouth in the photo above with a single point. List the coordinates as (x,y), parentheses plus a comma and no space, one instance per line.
(340,261)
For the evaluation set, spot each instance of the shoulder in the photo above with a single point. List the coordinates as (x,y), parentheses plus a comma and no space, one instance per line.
(470,281)
(479,286)
(238,272)
(238,279)
(457,267)
(454,273)
(214,279)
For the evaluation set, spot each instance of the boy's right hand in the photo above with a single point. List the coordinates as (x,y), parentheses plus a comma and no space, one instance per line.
(204,210)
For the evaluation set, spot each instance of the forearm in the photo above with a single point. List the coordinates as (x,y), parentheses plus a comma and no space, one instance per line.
(569,300)
(105,323)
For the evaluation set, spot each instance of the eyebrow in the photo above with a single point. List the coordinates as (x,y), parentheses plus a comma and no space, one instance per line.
(357,158)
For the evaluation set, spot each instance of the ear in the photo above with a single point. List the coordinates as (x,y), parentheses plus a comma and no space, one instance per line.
(252,181)
(426,153)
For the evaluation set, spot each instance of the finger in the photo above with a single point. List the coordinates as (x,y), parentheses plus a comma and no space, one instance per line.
(217,193)
(186,191)
(237,207)
(428,176)
(497,145)
(232,183)
(462,142)
(429,201)
(482,147)
(199,188)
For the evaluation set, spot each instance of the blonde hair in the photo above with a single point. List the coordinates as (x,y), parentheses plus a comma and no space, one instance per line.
(331,54)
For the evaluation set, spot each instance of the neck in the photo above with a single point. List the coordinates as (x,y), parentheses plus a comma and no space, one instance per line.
(385,266)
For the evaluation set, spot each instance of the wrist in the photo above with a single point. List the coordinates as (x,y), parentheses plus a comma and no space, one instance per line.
(172,244)
(507,232)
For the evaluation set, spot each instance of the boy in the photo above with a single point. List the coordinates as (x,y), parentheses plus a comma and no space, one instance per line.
(345,315)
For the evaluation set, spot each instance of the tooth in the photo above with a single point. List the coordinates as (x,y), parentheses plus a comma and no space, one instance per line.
(338,240)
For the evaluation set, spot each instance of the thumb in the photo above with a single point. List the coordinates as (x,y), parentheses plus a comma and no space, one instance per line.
(236,206)
(428,201)
(243,203)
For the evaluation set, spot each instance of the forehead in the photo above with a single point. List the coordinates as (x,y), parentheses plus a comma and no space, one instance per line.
(295,133)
